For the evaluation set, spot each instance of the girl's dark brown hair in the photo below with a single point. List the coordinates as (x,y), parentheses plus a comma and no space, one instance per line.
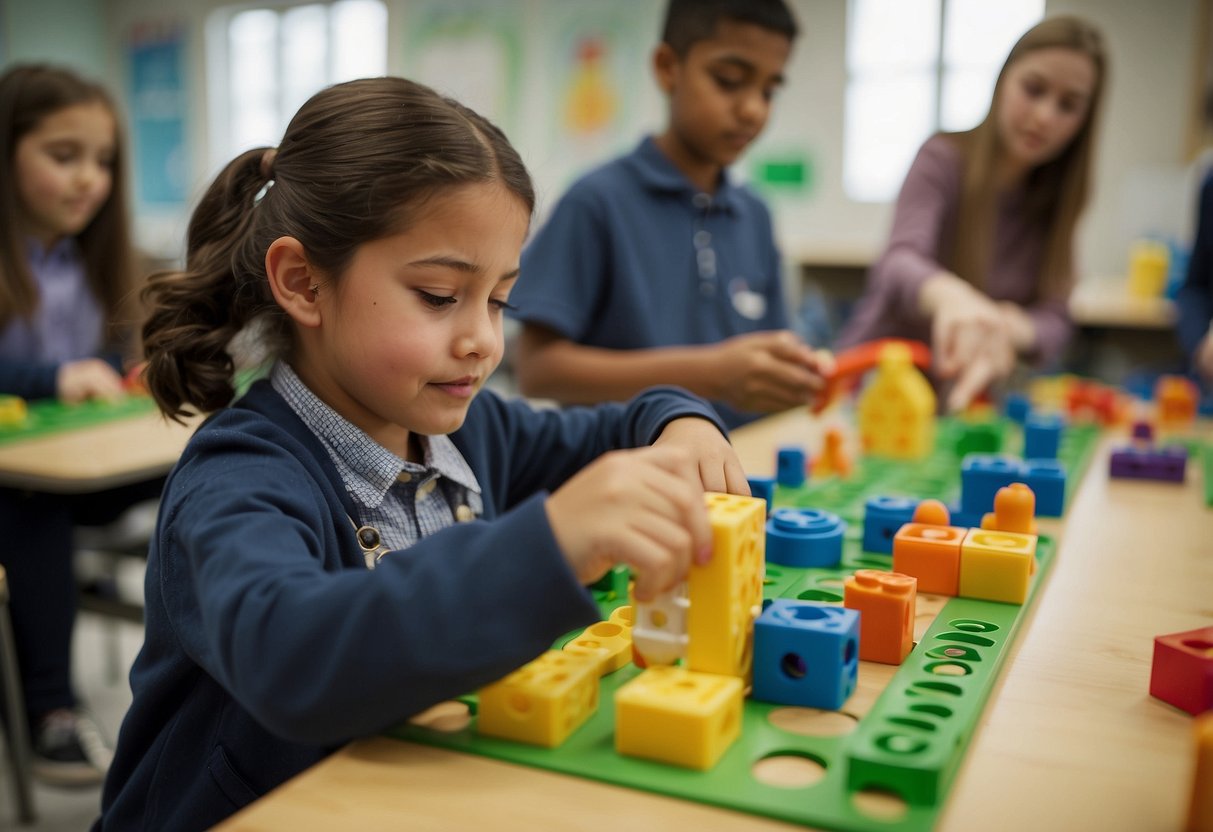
(1057,191)
(355,165)
(28,94)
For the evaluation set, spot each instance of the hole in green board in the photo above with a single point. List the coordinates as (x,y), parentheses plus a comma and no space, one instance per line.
(901,744)
(879,804)
(811,722)
(952,651)
(932,688)
(819,595)
(971,625)
(931,708)
(949,668)
(967,638)
(909,722)
(789,770)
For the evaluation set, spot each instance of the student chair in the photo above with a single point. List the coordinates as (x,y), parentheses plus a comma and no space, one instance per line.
(16,730)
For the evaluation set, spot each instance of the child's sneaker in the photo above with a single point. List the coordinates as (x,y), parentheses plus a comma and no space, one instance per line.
(69,750)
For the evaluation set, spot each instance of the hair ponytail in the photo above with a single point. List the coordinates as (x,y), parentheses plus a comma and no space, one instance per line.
(195,313)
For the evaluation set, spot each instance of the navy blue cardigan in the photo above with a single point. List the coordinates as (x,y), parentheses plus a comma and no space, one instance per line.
(269,643)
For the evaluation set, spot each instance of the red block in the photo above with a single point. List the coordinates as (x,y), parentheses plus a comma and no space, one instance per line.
(1182,671)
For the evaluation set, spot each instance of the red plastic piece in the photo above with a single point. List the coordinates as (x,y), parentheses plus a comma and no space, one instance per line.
(854,362)
(1182,670)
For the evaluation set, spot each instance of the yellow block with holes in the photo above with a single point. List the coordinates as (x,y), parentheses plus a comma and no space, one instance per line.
(611,642)
(13,411)
(678,716)
(726,594)
(997,566)
(542,702)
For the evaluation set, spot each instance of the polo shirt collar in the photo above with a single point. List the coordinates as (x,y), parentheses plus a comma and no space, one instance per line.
(658,173)
(62,251)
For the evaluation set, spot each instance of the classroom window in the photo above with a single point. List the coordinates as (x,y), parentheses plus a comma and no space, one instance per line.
(263,63)
(915,67)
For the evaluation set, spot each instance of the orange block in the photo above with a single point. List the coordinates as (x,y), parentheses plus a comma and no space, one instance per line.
(931,554)
(1014,509)
(1200,808)
(932,513)
(1176,399)
(886,603)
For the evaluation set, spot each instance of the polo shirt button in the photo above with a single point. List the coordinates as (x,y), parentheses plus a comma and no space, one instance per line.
(426,487)
(404,476)
(702,200)
(703,239)
(706,288)
(463,514)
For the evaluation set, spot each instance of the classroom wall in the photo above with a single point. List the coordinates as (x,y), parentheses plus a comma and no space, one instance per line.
(1141,176)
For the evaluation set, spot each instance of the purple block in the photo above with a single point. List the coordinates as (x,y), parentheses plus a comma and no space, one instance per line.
(1166,464)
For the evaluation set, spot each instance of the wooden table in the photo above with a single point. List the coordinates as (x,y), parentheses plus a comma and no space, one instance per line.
(1070,739)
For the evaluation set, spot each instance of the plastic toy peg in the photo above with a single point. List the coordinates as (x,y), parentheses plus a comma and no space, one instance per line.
(1182,670)
(1200,807)
(678,716)
(886,602)
(854,362)
(805,654)
(931,513)
(1166,464)
(13,411)
(542,702)
(897,408)
(1143,433)
(833,459)
(1175,399)
(726,593)
(930,553)
(997,566)
(791,466)
(804,537)
(763,488)
(1042,436)
(1016,407)
(609,641)
(1014,510)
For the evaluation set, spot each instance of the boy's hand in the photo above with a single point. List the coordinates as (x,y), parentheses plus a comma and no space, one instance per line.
(643,508)
(766,372)
(90,378)
(719,468)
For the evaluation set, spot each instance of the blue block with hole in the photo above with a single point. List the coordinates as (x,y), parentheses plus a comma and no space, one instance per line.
(791,466)
(805,654)
(1047,479)
(981,475)
(1042,436)
(882,518)
(763,488)
(805,537)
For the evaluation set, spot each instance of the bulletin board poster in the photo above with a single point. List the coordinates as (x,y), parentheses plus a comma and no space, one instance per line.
(158,101)
(470,50)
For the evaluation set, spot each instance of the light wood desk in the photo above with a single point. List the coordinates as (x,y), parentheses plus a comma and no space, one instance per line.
(95,458)
(1070,739)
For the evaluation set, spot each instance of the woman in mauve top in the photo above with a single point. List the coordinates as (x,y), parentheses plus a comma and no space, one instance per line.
(979,261)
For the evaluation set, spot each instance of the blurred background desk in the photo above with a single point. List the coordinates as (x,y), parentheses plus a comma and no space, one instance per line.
(1070,737)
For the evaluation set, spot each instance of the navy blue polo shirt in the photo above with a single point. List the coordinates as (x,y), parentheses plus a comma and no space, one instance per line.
(634,256)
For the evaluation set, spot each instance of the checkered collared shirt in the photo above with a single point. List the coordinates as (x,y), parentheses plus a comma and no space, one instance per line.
(402,500)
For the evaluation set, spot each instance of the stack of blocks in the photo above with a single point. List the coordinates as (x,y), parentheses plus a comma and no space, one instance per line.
(982,475)
(1143,460)
(897,408)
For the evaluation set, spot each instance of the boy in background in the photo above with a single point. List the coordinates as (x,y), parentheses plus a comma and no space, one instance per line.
(656,268)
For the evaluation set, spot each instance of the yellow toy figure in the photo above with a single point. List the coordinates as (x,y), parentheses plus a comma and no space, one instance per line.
(897,409)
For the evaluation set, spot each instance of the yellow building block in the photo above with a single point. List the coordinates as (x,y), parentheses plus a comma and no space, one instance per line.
(542,702)
(13,411)
(678,716)
(609,641)
(897,408)
(996,565)
(726,594)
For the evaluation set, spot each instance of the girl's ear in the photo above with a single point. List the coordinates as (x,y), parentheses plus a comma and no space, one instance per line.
(293,280)
(665,67)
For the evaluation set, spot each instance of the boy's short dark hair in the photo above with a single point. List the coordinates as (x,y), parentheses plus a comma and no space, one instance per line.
(690,21)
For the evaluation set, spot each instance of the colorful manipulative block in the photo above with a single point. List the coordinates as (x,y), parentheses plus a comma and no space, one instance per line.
(1042,435)
(1047,479)
(1014,510)
(897,408)
(882,517)
(1017,407)
(804,537)
(13,411)
(1182,670)
(997,566)
(659,629)
(805,654)
(1166,464)
(1175,401)
(886,603)
(1200,806)
(610,641)
(791,466)
(678,716)
(542,702)
(726,593)
(833,459)
(981,476)
(930,553)
(763,488)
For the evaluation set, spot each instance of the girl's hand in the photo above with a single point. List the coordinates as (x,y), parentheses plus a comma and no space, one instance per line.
(766,371)
(643,508)
(719,468)
(90,378)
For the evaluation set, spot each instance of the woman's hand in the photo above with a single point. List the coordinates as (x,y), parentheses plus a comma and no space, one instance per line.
(971,339)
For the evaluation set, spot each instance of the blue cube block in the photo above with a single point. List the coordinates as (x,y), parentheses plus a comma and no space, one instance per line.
(1047,479)
(1016,406)
(882,517)
(1042,436)
(981,475)
(805,654)
(790,466)
(763,488)
(805,537)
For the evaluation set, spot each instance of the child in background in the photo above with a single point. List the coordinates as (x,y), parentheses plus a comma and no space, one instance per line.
(328,542)
(980,258)
(657,268)
(1195,298)
(65,272)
